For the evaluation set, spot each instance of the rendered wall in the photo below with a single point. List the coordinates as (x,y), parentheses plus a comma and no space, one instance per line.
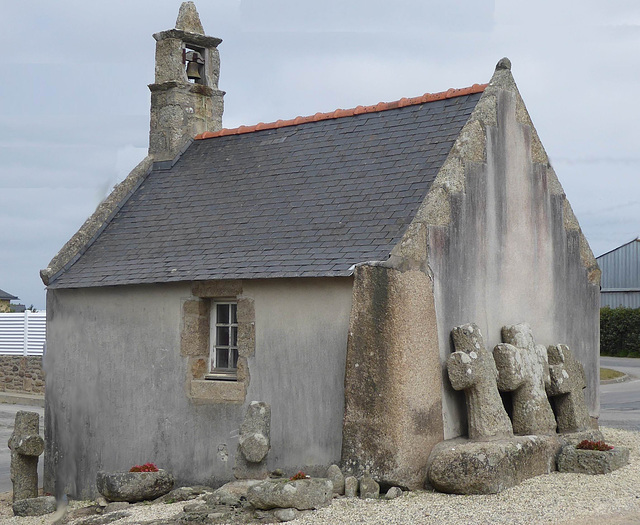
(116,390)
(504,246)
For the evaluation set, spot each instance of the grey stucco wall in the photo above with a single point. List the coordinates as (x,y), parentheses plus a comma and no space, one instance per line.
(511,253)
(116,391)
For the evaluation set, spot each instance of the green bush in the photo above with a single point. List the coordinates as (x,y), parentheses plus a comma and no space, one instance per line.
(620,331)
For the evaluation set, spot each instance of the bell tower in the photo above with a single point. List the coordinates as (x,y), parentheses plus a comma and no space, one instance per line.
(185,99)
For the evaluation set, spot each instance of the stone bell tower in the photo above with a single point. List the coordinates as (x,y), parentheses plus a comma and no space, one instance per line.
(185,99)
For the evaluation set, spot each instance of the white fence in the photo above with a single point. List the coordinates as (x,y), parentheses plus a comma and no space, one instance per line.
(23,333)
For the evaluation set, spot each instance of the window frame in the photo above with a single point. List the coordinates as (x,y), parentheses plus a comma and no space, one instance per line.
(215,372)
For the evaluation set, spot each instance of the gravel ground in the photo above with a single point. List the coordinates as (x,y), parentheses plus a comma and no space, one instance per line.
(564,499)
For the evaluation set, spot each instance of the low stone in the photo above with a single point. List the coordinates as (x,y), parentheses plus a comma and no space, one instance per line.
(185,493)
(393,493)
(101,501)
(134,486)
(115,506)
(473,467)
(581,461)
(232,493)
(196,506)
(104,519)
(337,478)
(286,514)
(301,494)
(34,506)
(350,487)
(369,488)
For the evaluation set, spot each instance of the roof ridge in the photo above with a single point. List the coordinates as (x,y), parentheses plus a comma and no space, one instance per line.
(339,113)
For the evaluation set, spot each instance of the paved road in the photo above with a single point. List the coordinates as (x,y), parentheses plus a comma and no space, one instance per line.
(7,419)
(620,402)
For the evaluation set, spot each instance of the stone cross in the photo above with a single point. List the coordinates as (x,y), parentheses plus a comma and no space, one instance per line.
(567,384)
(26,445)
(524,370)
(472,369)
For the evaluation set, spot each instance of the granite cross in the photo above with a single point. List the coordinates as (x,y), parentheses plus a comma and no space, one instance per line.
(26,445)
(567,384)
(471,368)
(523,369)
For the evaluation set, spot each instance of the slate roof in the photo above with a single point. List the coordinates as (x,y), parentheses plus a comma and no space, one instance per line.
(5,296)
(303,200)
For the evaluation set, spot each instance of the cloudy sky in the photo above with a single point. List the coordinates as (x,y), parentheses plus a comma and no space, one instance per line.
(74,100)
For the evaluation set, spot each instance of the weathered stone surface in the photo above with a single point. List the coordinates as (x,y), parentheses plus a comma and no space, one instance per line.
(134,486)
(567,388)
(301,494)
(474,467)
(471,368)
(254,442)
(369,488)
(392,418)
(283,515)
(21,374)
(579,461)
(524,370)
(350,487)
(34,506)
(186,493)
(337,478)
(393,493)
(24,466)
(115,506)
(232,493)
(188,19)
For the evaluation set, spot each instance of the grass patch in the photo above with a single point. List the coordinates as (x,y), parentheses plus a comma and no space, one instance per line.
(607,373)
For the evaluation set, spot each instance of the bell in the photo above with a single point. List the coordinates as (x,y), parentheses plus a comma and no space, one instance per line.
(193,71)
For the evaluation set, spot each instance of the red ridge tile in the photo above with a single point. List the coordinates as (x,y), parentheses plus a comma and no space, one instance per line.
(340,113)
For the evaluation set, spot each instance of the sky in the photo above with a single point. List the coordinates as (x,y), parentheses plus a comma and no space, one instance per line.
(74,101)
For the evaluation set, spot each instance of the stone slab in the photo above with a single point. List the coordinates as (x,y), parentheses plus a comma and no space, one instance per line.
(579,461)
(302,494)
(472,467)
(134,486)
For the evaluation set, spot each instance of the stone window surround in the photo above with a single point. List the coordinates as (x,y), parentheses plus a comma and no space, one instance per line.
(195,346)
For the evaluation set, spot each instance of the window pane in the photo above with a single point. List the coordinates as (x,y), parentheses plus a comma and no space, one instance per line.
(234,358)
(222,358)
(222,313)
(234,336)
(234,313)
(222,336)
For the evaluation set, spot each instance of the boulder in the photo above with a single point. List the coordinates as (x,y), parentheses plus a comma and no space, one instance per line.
(488,467)
(283,515)
(134,486)
(369,488)
(393,493)
(301,494)
(337,478)
(580,461)
(232,493)
(350,487)
(34,506)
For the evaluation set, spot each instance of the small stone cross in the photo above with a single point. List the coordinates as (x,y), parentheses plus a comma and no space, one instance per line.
(567,384)
(472,369)
(523,369)
(26,445)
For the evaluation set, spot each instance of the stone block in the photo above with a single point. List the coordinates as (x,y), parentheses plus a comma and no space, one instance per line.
(581,461)
(218,391)
(254,441)
(134,486)
(350,487)
(337,478)
(475,467)
(217,289)
(34,506)
(301,494)
(393,493)
(369,488)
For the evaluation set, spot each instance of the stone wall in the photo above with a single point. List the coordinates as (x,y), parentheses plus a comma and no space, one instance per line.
(21,374)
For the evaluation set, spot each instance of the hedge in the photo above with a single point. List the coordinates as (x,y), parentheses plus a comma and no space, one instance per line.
(620,332)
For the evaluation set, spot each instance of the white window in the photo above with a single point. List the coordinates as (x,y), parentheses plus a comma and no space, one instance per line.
(223,339)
